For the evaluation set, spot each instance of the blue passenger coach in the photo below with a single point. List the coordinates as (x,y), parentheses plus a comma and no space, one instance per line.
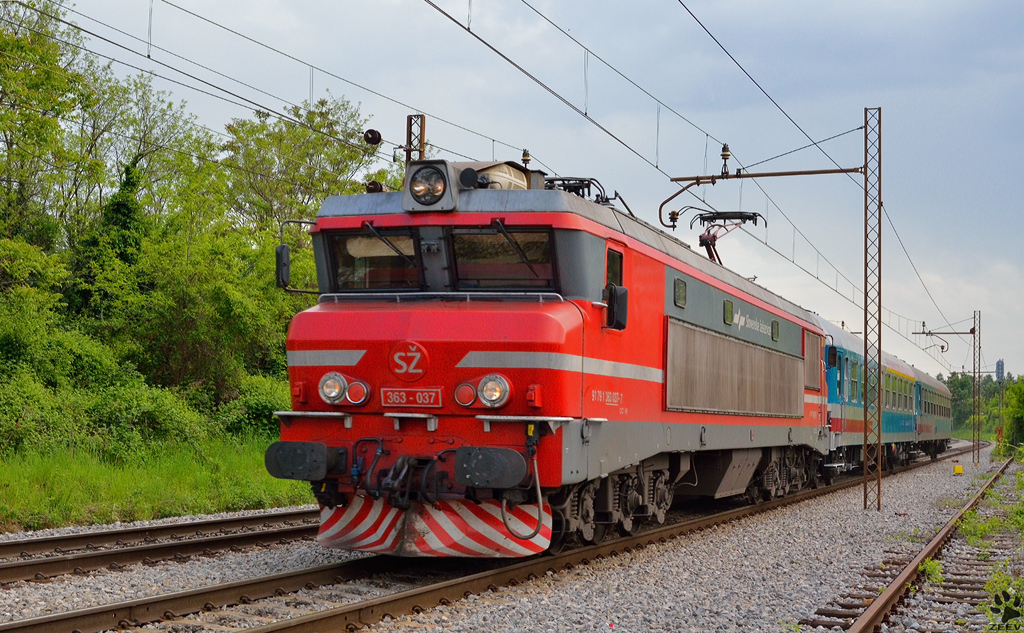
(916,414)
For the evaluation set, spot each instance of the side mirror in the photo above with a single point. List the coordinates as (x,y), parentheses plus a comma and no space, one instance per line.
(618,307)
(833,357)
(284,266)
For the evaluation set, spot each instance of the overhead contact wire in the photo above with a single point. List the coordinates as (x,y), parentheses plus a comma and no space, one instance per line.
(352,83)
(822,150)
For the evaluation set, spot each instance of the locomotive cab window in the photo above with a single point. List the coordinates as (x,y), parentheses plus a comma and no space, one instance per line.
(613,268)
(498,258)
(375,260)
(612,271)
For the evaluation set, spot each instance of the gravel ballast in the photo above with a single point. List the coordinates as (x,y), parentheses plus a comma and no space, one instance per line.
(65,593)
(763,573)
(760,574)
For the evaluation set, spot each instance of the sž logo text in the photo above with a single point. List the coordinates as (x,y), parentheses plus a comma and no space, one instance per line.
(408,361)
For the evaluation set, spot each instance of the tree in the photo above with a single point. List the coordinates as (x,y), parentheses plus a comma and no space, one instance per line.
(1013,412)
(41,85)
(284,168)
(961,388)
(102,262)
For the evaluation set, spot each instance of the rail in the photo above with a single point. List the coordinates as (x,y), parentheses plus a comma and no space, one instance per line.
(872,618)
(146,610)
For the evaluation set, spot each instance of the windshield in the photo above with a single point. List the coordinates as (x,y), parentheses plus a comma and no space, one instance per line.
(502,258)
(387,260)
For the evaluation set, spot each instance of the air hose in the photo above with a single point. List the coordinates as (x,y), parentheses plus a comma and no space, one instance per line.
(540,509)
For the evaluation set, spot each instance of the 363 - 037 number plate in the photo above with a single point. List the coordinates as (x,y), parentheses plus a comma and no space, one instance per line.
(403,397)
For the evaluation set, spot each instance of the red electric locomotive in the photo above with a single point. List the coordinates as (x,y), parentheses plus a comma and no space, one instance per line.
(496,362)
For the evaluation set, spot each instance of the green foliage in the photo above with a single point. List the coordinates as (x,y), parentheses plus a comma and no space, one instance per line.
(40,83)
(138,309)
(216,474)
(1004,589)
(286,167)
(977,530)
(252,412)
(931,570)
(1013,413)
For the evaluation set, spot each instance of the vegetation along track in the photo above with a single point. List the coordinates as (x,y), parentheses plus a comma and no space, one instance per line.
(41,558)
(348,595)
(945,586)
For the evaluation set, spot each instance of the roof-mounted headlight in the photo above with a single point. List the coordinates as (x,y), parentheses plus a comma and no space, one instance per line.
(332,387)
(427,185)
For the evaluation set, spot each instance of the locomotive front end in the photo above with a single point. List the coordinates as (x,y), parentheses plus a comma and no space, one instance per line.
(430,381)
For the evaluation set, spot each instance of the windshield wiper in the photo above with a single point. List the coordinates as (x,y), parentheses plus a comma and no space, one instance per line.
(515,245)
(390,245)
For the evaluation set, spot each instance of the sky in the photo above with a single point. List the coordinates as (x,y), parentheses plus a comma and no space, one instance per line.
(947,75)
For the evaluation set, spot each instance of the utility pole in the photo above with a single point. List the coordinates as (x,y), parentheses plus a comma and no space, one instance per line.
(415,138)
(1000,376)
(976,430)
(719,223)
(872,450)
(975,333)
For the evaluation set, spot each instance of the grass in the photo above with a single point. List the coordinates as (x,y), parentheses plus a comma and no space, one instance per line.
(78,488)
(977,530)
(931,570)
(949,502)
(966,434)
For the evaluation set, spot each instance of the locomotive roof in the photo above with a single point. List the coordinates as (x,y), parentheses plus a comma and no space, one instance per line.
(556,201)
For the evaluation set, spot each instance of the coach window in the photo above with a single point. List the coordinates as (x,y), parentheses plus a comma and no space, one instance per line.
(727,312)
(855,391)
(887,391)
(846,378)
(775,330)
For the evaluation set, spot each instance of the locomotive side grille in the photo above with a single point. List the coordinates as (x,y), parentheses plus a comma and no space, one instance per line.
(711,372)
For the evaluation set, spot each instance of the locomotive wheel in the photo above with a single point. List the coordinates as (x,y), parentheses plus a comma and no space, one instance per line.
(586,513)
(629,500)
(600,531)
(753,492)
(559,535)
(662,497)
(629,526)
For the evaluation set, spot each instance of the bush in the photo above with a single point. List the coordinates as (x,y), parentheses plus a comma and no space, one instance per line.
(29,412)
(252,412)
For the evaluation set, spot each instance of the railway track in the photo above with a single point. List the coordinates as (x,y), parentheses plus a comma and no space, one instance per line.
(42,558)
(936,589)
(364,590)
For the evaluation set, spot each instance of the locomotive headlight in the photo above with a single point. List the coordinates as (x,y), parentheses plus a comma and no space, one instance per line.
(427,185)
(332,387)
(493,391)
